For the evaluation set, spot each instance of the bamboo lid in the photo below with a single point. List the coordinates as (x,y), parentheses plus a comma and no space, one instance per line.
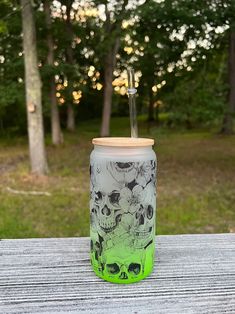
(123,141)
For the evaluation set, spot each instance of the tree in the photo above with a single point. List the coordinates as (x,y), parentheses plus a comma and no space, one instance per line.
(155,50)
(113,34)
(71,62)
(202,23)
(33,92)
(170,40)
(112,31)
(57,137)
(227,127)
(12,109)
(196,98)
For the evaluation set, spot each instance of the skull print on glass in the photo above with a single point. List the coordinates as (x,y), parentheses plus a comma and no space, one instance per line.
(122,208)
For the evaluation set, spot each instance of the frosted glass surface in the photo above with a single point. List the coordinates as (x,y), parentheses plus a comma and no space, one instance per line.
(122,211)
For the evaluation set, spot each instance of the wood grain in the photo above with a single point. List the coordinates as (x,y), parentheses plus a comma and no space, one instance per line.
(193,274)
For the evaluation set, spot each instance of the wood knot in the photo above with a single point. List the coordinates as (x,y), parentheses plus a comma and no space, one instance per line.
(31,107)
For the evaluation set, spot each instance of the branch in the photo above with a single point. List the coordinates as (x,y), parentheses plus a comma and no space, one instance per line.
(107,22)
(10,190)
(115,50)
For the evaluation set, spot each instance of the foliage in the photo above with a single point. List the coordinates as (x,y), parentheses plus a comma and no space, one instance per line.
(12,110)
(175,45)
(197,97)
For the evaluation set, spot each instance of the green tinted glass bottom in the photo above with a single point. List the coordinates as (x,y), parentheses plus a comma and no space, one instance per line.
(124,265)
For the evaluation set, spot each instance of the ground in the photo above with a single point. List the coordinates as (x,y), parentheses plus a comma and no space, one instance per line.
(196,183)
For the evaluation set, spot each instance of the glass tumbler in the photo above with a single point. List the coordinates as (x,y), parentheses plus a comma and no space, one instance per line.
(122,208)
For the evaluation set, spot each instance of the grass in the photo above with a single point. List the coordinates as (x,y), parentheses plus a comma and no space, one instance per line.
(196,183)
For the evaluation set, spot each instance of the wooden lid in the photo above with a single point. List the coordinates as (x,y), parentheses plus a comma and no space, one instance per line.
(123,141)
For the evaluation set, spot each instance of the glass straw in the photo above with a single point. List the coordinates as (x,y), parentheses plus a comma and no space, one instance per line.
(132,106)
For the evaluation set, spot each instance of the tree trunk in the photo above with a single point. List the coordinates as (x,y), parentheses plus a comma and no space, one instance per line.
(70,118)
(33,92)
(151,105)
(109,65)
(227,127)
(57,137)
(112,35)
(70,59)
(157,114)
(108,93)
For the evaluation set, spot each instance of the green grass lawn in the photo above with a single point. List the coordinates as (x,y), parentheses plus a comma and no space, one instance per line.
(196,183)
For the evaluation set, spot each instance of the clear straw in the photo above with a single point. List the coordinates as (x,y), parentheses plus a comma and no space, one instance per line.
(132,106)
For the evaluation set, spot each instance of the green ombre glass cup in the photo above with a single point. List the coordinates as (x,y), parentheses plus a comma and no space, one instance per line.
(122,208)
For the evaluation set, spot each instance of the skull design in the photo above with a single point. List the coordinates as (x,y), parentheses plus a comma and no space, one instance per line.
(105,208)
(122,211)
(153,172)
(122,172)
(142,228)
(96,252)
(127,265)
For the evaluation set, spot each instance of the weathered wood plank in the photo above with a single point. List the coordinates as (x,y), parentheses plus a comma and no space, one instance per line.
(193,274)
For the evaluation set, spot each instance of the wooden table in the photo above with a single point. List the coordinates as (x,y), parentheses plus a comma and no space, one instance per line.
(193,274)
